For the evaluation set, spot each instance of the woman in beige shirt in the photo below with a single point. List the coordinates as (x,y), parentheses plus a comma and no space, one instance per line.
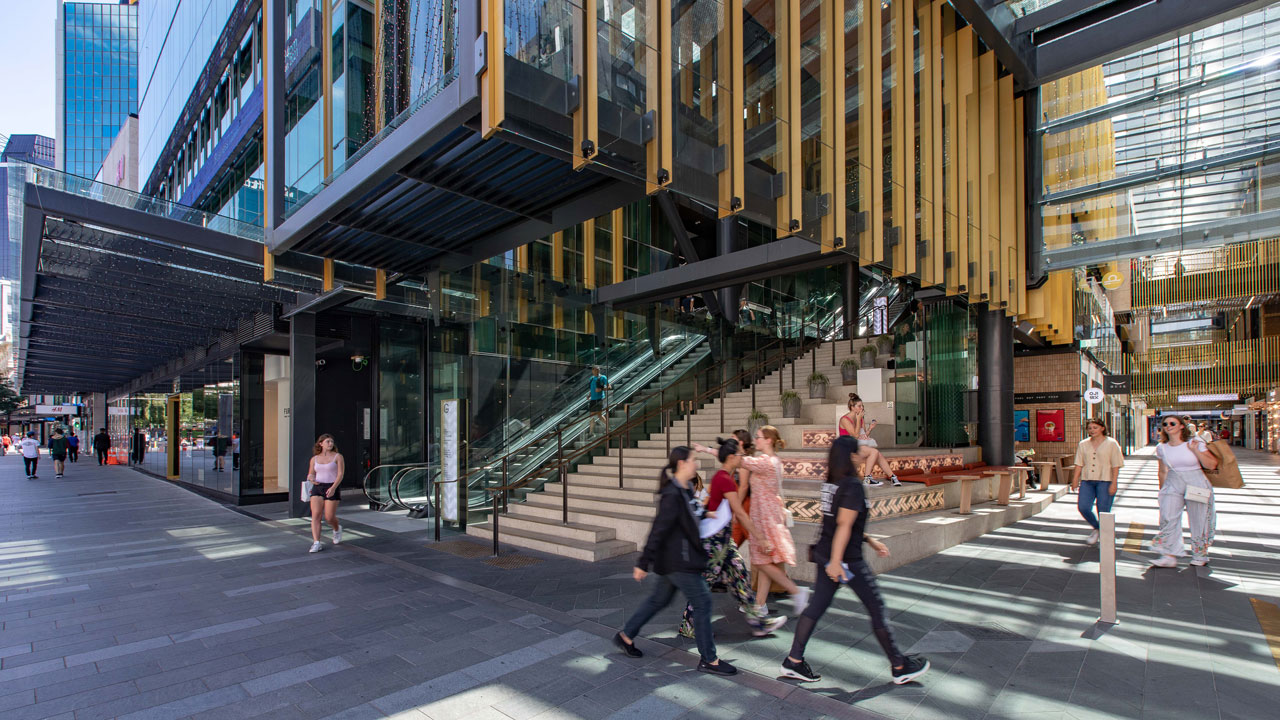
(1098,461)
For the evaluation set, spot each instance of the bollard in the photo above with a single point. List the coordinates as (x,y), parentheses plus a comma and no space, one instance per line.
(1107,567)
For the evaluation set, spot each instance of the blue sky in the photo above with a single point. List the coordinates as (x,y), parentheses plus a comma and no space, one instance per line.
(27,67)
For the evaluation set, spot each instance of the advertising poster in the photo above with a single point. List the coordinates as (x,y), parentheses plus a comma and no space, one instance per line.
(1051,425)
(1022,426)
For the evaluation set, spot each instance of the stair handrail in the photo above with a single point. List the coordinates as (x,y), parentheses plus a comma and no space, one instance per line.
(562,463)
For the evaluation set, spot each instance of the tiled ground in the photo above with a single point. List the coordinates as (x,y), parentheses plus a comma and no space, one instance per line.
(124,596)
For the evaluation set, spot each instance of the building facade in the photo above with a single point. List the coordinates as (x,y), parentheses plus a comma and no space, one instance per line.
(97,80)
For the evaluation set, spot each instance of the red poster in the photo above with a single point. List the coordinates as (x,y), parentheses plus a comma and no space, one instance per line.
(1051,425)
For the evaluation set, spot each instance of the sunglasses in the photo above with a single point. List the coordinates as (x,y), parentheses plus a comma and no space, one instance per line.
(1171,424)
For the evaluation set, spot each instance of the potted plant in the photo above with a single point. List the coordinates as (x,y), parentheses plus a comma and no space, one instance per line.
(756,419)
(791,404)
(867,356)
(884,344)
(849,370)
(818,386)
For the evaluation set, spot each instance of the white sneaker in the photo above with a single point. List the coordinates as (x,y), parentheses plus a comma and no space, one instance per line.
(800,600)
(1200,562)
(1092,539)
(872,481)
(1165,561)
(316,547)
(337,536)
(895,481)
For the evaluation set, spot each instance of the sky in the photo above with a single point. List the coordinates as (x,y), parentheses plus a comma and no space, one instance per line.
(26,67)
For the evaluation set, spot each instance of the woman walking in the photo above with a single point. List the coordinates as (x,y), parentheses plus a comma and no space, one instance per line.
(1098,461)
(771,543)
(674,552)
(838,555)
(853,423)
(1183,459)
(58,451)
(325,474)
(724,564)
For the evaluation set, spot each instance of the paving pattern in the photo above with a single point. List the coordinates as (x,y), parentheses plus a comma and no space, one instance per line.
(125,596)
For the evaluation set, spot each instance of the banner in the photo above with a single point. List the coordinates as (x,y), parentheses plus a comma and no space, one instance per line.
(449,459)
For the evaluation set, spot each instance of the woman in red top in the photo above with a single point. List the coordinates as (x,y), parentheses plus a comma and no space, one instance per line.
(724,564)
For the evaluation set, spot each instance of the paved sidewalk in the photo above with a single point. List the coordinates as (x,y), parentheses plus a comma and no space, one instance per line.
(122,595)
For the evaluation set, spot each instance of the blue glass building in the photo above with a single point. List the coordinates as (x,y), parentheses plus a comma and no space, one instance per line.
(97,80)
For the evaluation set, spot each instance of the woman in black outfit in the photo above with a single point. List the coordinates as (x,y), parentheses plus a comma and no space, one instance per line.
(674,551)
(838,553)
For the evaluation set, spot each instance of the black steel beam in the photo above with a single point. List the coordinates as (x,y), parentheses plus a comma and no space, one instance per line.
(994,23)
(1143,26)
(672,215)
(1053,14)
(791,254)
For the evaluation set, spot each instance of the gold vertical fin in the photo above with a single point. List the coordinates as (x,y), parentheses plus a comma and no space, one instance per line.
(328,274)
(586,121)
(493,99)
(380,285)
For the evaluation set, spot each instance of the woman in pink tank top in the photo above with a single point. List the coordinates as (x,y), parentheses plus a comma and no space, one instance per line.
(324,476)
(854,423)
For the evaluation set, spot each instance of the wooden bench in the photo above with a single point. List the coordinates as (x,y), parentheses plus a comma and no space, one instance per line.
(966,491)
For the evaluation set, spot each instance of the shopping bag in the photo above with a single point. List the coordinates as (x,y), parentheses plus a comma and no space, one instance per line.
(1227,474)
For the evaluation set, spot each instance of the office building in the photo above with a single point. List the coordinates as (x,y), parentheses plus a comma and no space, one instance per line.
(97,80)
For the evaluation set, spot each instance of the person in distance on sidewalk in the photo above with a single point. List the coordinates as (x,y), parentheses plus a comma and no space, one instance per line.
(674,552)
(101,444)
(838,554)
(325,474)
(1098,459)
(58,451)
(30,448)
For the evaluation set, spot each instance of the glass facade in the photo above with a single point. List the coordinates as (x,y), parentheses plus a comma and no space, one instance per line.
(100,80)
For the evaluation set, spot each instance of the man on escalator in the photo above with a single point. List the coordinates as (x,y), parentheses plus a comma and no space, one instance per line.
(599,384)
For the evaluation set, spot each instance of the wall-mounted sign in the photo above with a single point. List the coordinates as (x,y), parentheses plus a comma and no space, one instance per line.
(1112,280)
(1051,425)
(449,459)
(57,409)
(1093,395)
(117,410)
(1117,384)
(1034,398)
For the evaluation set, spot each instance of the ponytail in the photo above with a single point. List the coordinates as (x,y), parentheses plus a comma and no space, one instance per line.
(667,474)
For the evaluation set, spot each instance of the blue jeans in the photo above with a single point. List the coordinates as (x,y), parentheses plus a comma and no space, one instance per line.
(1091,490)
(695,589)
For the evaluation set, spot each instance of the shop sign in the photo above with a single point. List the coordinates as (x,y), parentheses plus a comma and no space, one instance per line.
(1093,395)
(1035,398)
(1117,384)
(57,409)
(449,459)
(114,410)
(1112,280)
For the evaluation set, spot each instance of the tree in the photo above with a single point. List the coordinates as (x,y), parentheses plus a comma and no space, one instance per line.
(10,400)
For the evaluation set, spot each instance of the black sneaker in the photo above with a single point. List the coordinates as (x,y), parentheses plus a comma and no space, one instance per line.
(722,667)
(629,649)
(913,666)
(799,671)
(873,482)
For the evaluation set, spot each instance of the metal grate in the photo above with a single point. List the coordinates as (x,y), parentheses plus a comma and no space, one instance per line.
(512,562)
(982,631)
(462,548)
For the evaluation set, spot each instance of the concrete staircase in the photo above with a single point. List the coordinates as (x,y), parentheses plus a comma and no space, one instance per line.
(607,520)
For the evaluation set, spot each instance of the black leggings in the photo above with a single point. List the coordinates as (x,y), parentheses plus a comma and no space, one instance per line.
(102,456)
(863,583)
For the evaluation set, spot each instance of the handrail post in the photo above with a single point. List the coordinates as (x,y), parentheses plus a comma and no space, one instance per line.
(814,357)
(564,476)
(504,481)
(688,425)
(437,512)
(754,373)
(464,489)
(666,427)
(626,408)
(723,382)
(493,503)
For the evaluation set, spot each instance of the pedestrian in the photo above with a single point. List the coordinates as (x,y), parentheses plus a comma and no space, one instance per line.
(599,384)
(235,451)
(673,551)
(771,544)
(219,451)
(58,451)
(101,444)
(838,555)
(5,442)
(30,454)
(325,475)
(724,564)
(853,423)
(1096,476)
(1183,459)
(73,446)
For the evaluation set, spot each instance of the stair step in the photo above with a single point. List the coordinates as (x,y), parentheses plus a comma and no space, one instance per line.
(546,542)
(573,531)
(604,492)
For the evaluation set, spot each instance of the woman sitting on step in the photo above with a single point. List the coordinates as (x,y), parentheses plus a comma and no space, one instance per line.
(854,423)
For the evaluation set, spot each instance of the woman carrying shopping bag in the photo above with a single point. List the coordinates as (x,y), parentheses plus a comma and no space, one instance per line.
(1183,459)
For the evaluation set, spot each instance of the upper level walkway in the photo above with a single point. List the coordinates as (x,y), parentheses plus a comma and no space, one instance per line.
(125,596)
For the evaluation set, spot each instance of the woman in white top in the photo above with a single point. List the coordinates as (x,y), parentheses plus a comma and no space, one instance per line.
(1183,485)
(325,474)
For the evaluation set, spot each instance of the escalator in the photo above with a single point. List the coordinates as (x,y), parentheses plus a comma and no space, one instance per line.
(520,445)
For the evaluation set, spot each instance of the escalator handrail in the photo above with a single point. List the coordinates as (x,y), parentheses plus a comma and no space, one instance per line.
(765,365)
(364,484)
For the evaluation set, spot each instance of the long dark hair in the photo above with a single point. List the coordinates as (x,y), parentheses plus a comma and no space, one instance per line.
(728,448)
(840,459)
(745,441)
(667,474)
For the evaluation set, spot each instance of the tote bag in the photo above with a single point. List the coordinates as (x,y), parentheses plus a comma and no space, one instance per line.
(1227,474)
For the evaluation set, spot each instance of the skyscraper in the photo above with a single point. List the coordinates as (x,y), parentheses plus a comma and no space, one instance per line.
(97,81)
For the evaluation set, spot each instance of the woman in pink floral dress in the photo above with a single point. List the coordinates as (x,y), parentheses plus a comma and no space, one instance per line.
(771,545)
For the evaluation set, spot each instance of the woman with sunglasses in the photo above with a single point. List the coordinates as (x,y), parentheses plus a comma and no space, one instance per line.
(1183,459)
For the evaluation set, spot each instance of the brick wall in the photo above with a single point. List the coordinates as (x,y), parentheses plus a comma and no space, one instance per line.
(1057,372)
